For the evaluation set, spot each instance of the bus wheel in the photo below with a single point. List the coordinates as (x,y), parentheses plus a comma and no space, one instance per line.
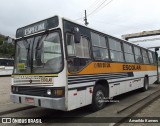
(98,98)
(146,84)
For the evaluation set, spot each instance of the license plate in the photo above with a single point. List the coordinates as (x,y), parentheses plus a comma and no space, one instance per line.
(29,100)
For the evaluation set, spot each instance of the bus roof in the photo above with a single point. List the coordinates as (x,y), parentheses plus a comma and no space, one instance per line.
(50,23)
(102,32)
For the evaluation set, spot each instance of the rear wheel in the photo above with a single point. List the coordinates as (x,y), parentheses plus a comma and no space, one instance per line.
(99,95)
(146,84)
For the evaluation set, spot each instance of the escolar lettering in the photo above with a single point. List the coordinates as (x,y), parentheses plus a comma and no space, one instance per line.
(131,67)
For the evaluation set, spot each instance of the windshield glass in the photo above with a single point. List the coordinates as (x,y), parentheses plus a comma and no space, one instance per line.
(40,54)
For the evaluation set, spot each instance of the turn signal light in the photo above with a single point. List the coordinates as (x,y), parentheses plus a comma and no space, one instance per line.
(59,92)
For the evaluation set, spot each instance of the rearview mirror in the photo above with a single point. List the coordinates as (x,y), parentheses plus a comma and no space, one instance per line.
(77,37)
(77,34)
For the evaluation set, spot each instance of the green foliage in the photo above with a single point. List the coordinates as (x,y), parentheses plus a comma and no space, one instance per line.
(1,40)
(6,49)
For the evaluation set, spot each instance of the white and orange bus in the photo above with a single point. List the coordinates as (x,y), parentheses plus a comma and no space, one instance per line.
(63,65)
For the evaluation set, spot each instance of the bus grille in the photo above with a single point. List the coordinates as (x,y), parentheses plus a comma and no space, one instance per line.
(36,91)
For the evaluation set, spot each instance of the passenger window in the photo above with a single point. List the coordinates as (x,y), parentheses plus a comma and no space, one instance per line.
(128,53)
(138,56)
(114,45)
(100,53)
(150,57)
(115,50)
(78,53)
(154,58)
(100,49)
(77,49)
(98,40)
(70,44)
(82,48)
(145,56)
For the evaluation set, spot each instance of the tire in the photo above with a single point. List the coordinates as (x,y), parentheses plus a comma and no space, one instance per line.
(98,96)
(146,84)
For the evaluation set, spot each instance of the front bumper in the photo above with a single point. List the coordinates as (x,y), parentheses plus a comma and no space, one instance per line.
(53,103)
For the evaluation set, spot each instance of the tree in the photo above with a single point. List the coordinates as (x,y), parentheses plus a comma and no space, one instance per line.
(1,39)
(6,49)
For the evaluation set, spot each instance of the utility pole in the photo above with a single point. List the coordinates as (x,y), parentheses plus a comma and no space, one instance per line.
(85,19)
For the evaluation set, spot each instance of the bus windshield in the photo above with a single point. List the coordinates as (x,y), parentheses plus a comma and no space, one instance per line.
(40,54)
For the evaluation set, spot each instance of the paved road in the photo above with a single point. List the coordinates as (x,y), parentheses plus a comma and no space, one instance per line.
(5,87)
(5,83)
(153,110)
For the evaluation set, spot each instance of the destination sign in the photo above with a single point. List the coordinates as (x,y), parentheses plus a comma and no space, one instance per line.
(34,29)
(37,27)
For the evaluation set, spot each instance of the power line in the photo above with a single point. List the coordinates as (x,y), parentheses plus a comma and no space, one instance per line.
(78,19)
(94,11)
(94,3)
(80,16)
(97,7)
(106,4)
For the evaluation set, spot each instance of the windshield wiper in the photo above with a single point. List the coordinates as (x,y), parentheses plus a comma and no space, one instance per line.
(46,33)
(28,50)
(38,48)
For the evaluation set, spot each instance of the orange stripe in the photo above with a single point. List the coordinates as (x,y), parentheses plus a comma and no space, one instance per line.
(106,67)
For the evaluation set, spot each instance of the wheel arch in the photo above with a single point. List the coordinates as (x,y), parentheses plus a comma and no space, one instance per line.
(105,84)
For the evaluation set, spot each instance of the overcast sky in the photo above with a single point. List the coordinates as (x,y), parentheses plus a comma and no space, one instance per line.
(115,17)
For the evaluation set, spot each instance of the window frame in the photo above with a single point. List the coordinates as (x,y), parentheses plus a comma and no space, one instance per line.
(89,47)
(151,58)
(122,49)
(67,44)
(134,46)
(35,35)
(74,46)
(142,49)
(100,47)
(133,54)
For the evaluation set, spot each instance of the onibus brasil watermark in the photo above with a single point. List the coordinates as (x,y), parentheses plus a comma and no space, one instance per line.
(21,120)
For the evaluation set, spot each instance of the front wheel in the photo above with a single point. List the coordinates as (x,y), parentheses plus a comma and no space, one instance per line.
(98,98)
(146,84)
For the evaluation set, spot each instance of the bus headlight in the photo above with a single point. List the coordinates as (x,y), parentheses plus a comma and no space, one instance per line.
(55,92)
(49,92)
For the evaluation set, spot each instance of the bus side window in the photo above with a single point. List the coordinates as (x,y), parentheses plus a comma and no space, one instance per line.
(138,56)
(145,56)
(116,50)
(77,49)
(99,45)
(154,58)
(150,57)
(128,53)
(78,53)
(70,44)
(82,48)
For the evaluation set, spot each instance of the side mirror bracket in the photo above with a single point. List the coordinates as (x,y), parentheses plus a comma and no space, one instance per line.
(77,34)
